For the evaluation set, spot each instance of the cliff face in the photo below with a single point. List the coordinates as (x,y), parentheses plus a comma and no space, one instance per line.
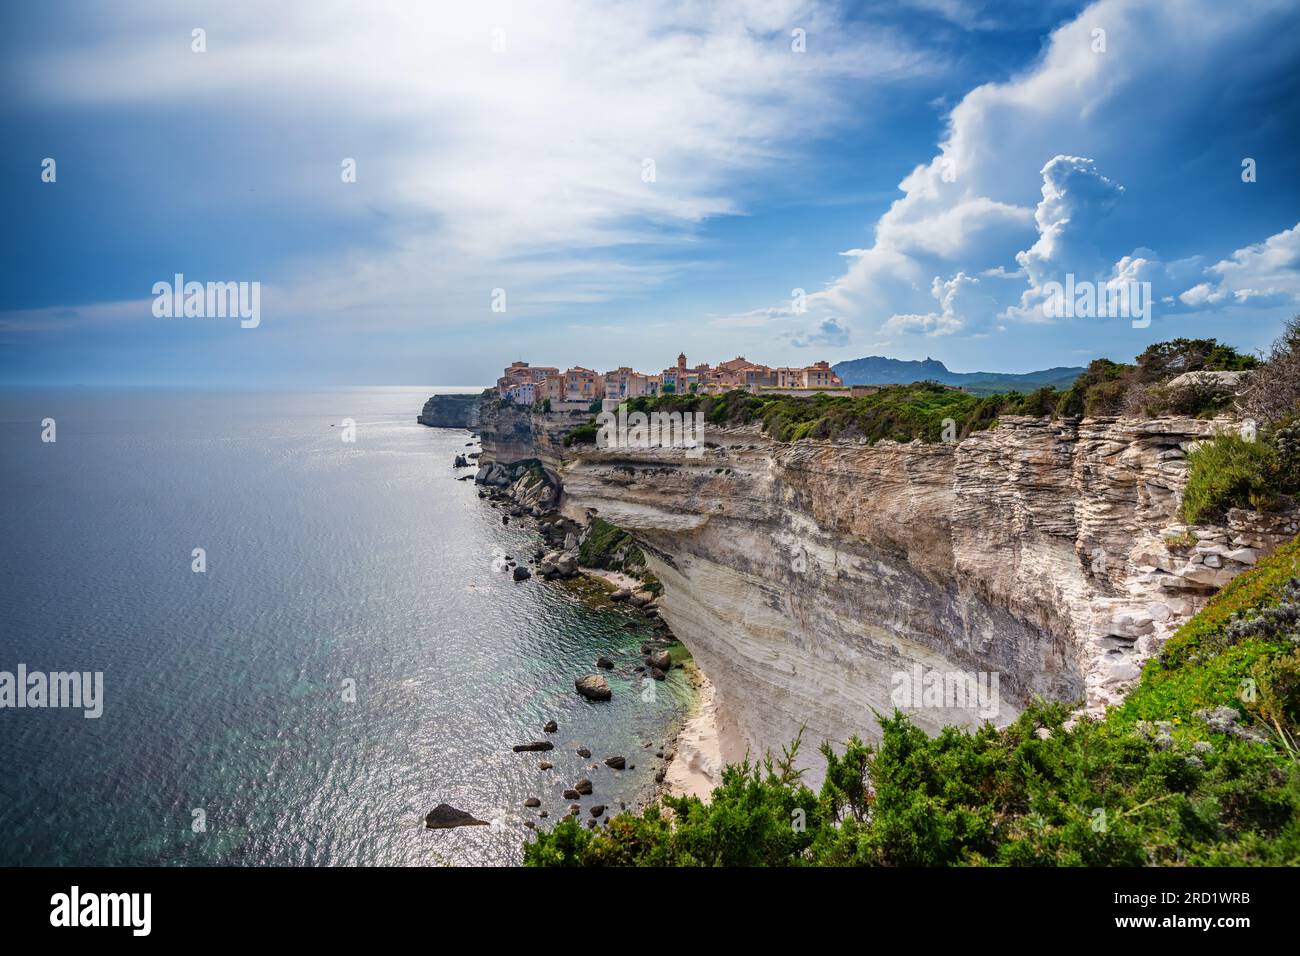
(808,578)
(451,411)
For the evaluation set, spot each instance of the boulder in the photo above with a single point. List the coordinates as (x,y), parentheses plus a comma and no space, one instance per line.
(444,816)
(583,787)
(571,794)
(660,659)
(584,752)
(534,745)
(615,763)
(593,687)
(532,802)
(605,662)
(551,727)
(597,810)
(622,594)
(521,573)
(543,765)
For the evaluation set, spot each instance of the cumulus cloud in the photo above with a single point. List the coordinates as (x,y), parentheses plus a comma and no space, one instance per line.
(1266,273)
(828,333)
(1082,129)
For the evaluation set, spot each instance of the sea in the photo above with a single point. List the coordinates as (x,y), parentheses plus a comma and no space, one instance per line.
(308,637)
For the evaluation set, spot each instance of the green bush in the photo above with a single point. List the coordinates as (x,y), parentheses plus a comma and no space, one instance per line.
(1229,471)
(584,434)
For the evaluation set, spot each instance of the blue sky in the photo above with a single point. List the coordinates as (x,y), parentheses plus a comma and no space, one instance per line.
(923,170)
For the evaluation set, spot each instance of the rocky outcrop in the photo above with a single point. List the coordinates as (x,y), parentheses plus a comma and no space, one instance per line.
(815,582)
(444,817)
(451,411)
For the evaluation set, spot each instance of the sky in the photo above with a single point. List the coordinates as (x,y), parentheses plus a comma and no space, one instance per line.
(426,192)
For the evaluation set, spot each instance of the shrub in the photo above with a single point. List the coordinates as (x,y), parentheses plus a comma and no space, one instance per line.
(1225,472)
(584,434)
(1273,392)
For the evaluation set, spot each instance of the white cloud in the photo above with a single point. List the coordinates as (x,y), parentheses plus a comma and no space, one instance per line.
(828,333)
(522,168)
(1074,127)
(1264,274)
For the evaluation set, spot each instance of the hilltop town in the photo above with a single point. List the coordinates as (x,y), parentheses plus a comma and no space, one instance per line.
(526,384)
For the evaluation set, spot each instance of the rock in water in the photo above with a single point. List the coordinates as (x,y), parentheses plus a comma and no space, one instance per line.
(551,727)
(615,763)
(584,752)
(535,745)
(444,816)
(605,662)
(593,687)
(660,659)
(532,802)
(583,786)
(521,573)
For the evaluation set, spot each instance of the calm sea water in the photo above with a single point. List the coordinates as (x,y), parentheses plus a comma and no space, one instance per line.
(326,562)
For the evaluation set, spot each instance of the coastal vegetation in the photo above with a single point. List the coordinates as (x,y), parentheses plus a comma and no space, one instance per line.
(933,412)
(1259,468)
(1198,766)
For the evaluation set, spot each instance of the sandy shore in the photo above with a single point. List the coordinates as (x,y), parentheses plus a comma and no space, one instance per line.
(616,578)
(696,766)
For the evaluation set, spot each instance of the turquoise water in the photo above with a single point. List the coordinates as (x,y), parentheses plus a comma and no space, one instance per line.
(327,562)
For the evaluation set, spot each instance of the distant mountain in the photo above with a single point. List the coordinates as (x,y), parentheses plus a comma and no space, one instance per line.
(879,370)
